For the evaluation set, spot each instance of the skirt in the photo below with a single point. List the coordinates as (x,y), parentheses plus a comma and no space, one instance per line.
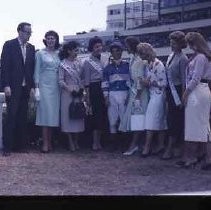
(175,114)
(197,113)
(156,113)
(99,111)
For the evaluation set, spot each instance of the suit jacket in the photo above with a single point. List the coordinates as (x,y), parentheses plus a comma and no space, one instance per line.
(13,68)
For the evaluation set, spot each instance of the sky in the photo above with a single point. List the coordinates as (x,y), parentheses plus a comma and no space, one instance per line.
(64,16)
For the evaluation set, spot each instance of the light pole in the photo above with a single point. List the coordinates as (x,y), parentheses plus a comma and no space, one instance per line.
(125,16)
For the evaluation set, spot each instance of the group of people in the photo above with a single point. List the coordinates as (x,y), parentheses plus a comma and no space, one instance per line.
(142,96)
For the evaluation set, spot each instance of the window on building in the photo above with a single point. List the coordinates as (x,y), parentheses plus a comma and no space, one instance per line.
(136,22)
(136,9)
(155,6)
(147,7)
(114,12)
(128,9)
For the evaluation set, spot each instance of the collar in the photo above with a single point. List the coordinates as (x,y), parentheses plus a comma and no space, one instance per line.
(21,44)
(117,62)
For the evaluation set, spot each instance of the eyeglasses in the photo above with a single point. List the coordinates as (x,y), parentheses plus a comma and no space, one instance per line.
(50,38)
(27,32)
(76,50)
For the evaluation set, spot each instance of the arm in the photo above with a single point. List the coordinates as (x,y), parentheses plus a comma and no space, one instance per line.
(199,65)
(141,80)
(5,65)
(87,73)
(62,78)
(37,69)
(161,76)
(198,71)
(33,66)
(105,82)
(87,77)
(81,73)
(182,69)
(161,80)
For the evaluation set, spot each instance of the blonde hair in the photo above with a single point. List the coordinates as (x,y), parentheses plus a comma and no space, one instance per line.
(147,50)
(197,40)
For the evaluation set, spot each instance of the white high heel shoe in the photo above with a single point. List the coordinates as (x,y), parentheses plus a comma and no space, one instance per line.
(130,152)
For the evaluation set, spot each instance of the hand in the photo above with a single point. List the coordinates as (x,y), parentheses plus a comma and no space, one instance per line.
(7,91)
(145,82)
(107,101)
(180,106)
(32,92)
(71,88)
(154,83)
(185,98)
(86,99)
(37,94)
(137,103)
(126,100)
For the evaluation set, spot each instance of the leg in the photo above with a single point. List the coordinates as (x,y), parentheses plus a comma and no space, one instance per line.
(203,149)
(161,140)
(45,139)
(96,140)
(189,158)
(113,115)
(22,120)
(113,142)
(75,140)
(71,142)
(169,150)
(50,139)
(147,145)
(207,165)
(134,144)
(10,124)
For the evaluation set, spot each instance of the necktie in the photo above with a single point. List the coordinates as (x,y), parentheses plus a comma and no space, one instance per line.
(23,50)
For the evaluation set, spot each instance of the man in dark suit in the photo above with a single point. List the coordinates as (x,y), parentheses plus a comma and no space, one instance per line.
(17,69)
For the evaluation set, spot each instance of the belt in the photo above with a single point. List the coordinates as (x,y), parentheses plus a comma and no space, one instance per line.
(204,81)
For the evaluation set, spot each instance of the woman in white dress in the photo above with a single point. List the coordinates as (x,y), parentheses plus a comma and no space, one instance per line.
(197,101)
(155,119)
(134,117)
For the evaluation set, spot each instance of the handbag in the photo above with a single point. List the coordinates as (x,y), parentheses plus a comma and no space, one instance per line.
(77,110)
(137,122)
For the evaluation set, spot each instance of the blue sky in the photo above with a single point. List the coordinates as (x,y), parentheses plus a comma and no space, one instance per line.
(64,16)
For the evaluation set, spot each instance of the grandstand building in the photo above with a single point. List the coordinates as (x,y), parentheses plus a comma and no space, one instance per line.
(137,13)
(184,15)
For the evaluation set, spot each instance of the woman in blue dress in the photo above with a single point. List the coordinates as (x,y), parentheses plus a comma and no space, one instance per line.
(47,88)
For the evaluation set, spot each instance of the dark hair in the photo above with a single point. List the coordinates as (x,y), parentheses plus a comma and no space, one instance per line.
(71,45)
(132,41)
(115,44)
(179,38)
(22,25)
(198,41)
(94,41)
(55,34)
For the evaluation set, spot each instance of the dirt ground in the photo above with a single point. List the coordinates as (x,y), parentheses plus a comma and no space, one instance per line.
(87,172)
